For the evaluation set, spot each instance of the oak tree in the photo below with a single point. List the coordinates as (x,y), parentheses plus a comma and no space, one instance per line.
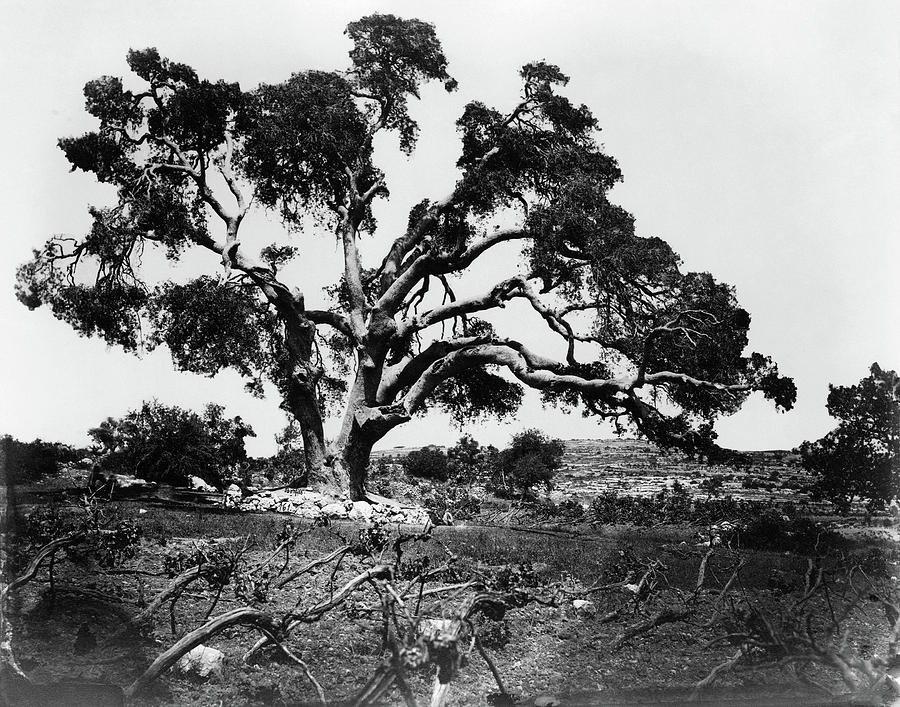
(646,344)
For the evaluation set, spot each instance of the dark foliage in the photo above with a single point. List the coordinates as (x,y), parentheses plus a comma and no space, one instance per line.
(860,458)
(188,157)
(531,459)
(170,444)
(468,462)
(426,463)
(24,462)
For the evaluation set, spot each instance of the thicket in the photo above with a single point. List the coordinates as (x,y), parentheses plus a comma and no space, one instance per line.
(24,462)
(426,463)
(169,444)
(287,465)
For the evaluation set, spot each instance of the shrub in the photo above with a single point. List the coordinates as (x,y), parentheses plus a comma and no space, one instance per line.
(426,463)
(169,444)
(25,462)
(713,485)
(459,502)
(493,634)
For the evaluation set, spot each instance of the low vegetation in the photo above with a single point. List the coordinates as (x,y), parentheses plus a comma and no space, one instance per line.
(460,616)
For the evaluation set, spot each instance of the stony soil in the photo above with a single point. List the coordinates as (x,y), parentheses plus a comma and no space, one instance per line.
(550,649)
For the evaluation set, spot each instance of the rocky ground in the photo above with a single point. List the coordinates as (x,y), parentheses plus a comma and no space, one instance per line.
(312,505)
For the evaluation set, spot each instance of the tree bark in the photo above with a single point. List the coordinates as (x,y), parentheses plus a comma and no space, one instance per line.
(355,460)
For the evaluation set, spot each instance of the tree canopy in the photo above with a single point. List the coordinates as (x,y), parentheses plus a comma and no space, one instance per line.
(648,345)
(860,458)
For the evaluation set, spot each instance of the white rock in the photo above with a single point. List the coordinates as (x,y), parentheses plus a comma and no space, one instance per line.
(362,510)
(584,607)
(127,482)
(203,662)
(434,627)
(334,510)
(198,484)
(233,490)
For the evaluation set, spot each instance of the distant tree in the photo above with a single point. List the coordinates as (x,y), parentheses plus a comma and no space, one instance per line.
(531,459)
(170,444)
(426,463)
(468,461)
(861,456)
(190,160)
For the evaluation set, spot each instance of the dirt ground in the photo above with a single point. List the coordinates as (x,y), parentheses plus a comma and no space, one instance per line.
(538,649)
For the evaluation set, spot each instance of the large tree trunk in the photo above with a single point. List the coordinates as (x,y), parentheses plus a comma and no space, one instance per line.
(302,401)
(355,461)
(318,475)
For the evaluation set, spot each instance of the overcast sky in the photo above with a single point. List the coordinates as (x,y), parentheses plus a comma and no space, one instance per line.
(760,139)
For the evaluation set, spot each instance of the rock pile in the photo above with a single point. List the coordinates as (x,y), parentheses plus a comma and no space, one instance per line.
(310,504)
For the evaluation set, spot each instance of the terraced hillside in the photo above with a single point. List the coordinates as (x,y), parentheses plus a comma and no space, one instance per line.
(636,467)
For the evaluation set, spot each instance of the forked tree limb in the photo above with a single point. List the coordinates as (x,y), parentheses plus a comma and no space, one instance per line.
(171,592)
(243,615)
(31,570)
(665,616)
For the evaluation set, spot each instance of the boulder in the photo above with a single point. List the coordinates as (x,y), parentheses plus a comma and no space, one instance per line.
(233,496)
(334,510)
(198,484)
(431,628)
(203,662)
(361,510)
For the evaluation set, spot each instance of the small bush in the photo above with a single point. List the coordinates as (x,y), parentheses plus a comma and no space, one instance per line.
(457,502)
(468,462)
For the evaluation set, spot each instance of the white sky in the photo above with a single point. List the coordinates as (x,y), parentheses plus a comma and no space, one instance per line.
(761,139)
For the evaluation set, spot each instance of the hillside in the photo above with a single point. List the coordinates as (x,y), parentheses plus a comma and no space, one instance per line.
(638,467)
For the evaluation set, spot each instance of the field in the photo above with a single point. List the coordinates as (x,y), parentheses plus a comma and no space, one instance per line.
(666,604)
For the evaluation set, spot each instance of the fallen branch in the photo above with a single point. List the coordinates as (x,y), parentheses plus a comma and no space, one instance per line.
(312,565)
(666,616)
(171,592)
(46,551)
(168,658)
(490,663)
